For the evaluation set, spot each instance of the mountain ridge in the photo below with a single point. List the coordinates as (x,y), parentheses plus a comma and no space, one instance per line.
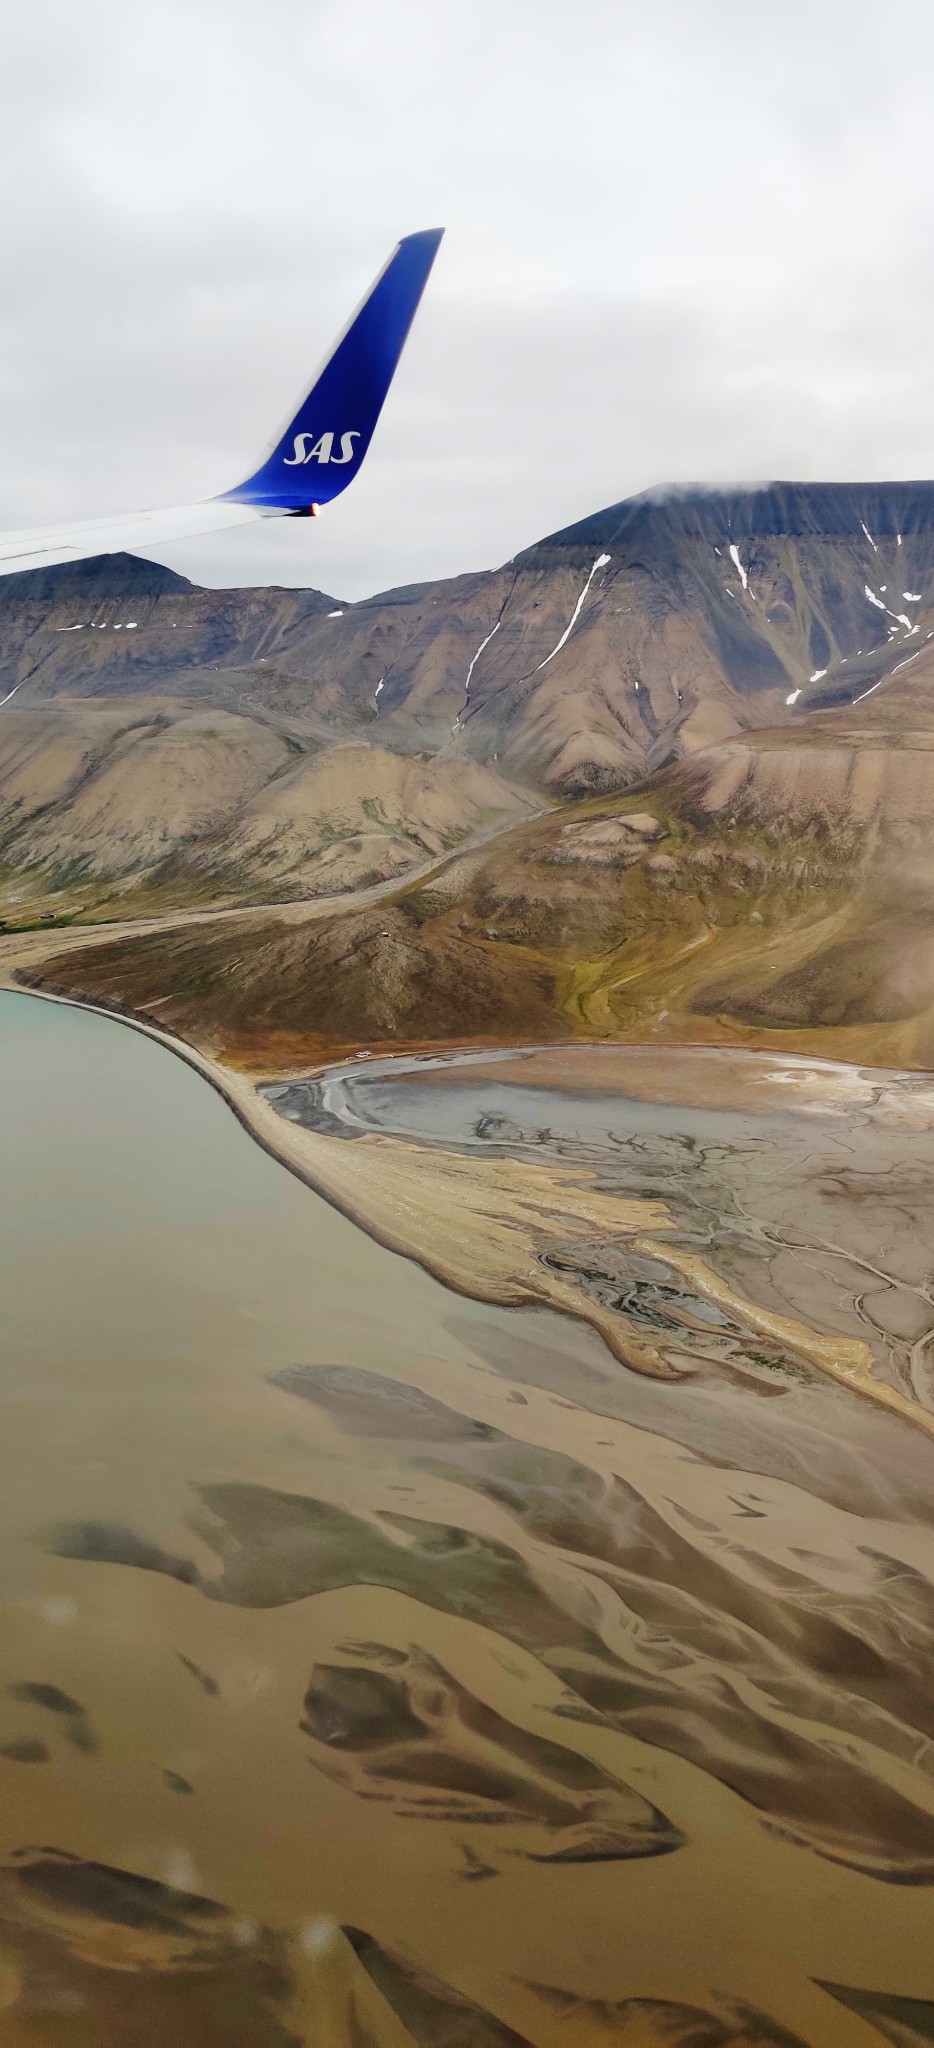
(750,511)
(739,598)
(606,653)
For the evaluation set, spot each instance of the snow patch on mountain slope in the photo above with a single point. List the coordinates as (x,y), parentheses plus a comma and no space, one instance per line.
(600,563)
(483,644)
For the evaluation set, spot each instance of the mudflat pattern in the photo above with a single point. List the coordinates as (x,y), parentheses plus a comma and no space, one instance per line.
(459,1683)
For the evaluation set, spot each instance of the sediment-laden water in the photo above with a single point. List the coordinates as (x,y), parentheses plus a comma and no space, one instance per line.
(381,1664)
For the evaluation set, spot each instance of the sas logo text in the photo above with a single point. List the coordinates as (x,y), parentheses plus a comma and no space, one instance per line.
(306,449)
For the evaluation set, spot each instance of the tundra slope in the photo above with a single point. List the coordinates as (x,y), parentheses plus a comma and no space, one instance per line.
(775,888)
(119,808)
(785,895)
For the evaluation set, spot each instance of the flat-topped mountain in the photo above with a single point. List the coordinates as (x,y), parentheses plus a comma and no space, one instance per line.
(163,737)
(751,512)
(651,628)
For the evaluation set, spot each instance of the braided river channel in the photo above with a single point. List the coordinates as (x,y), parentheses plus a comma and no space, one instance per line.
(409,1638)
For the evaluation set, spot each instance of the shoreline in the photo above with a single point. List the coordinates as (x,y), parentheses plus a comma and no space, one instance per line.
(490,1222)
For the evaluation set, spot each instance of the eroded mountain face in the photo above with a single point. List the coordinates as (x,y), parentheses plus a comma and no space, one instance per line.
(777,887)
(749,672)
(660,625)
(117,625)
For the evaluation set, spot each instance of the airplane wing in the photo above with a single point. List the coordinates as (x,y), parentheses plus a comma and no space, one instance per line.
(316,455)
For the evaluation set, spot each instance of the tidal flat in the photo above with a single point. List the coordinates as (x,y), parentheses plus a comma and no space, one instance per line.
(503,1618)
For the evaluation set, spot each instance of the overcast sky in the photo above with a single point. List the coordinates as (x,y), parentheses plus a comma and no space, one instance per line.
(685,240)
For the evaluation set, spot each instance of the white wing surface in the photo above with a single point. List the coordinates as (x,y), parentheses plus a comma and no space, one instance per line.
(318,453)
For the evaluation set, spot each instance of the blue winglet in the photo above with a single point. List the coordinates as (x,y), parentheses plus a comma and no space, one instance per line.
(322,448)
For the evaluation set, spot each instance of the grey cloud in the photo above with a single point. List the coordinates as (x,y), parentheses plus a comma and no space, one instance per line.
(683,242)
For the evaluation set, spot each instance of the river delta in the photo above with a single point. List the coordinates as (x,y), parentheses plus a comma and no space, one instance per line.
(484,1595)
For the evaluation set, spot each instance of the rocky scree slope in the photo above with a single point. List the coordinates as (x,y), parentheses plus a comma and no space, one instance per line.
(642,633)
(756,664)
(775,888)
